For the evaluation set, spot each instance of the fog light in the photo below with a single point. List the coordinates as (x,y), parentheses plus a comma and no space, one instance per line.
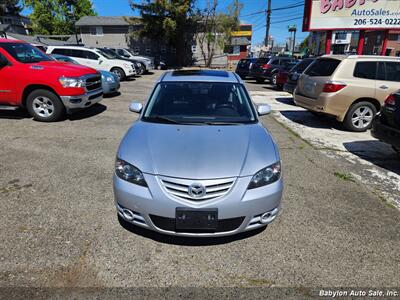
(128,215)
(265,218)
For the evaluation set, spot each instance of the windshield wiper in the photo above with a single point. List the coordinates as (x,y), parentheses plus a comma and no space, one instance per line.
(223,123)
(163,119)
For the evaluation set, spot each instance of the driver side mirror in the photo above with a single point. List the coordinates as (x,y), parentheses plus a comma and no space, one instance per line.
(3,61)
(136,107)
(263,109)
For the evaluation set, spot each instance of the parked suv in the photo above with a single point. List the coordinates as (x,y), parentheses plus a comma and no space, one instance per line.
(243,67)
(45,87)
(268,68)
(95,59)
(148,62)
(386,125)
(351,88)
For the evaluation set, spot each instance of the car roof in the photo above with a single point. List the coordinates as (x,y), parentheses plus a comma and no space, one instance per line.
(200,76)
(350,56)
(11,41)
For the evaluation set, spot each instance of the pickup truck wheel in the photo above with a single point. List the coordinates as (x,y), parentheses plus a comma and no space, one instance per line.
(119,72)
(359,117)
(45,106)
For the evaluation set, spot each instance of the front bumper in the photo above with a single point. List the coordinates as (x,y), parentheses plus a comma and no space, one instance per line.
(110,87)
(238,211)
(289,88)
(384,133)
(82,101)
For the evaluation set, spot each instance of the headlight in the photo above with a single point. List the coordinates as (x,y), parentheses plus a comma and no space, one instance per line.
(110,79)
(71,82)
(127,66)
(266,176)
(129,173)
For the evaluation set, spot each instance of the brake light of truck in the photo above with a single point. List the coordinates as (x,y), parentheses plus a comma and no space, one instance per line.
(333,87)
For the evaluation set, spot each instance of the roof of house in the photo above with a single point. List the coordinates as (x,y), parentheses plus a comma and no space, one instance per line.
(4,27)
(31,39)
(101,21)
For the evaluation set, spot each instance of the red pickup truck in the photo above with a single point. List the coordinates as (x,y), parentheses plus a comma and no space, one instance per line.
(45,87)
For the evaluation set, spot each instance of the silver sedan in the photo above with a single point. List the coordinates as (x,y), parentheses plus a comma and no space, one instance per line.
(198,162)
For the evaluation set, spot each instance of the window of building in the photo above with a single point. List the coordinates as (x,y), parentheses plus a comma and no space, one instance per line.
(194,48)
(98,30)
(341,35)
(173,49)
(136,50)
(148,51)
(163,49)
(236,50)
(366,70)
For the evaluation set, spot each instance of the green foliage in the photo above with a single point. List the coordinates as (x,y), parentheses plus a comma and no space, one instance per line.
(169,21)
(215,29)
(57,16)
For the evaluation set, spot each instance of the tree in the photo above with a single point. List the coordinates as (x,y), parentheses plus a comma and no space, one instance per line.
(169,21)
(215,29)
(10,7)
(58,16)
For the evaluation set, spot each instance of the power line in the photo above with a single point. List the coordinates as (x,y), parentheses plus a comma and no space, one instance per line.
(273,9)
(287,20)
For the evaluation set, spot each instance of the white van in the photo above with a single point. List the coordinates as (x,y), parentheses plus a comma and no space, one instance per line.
(95,59)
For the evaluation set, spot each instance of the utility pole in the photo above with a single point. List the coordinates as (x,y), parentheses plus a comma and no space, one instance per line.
(268,23)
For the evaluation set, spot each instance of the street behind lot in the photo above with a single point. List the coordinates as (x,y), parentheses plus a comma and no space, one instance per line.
(60,227)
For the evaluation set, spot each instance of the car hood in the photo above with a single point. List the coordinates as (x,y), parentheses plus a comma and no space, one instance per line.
(65,69)
(198,152)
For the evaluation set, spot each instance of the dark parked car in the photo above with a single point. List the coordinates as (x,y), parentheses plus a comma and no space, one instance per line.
(282,76)
(295,73)
(243,67)
(267,68)
(386,125)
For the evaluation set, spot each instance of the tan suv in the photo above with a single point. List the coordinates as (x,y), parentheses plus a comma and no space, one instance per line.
(351,88)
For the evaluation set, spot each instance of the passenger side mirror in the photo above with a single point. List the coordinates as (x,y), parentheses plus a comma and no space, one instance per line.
(136,107)
(3,61)
(263,109)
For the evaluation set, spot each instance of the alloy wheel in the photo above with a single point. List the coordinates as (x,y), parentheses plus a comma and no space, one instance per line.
(43,106)
(362,117)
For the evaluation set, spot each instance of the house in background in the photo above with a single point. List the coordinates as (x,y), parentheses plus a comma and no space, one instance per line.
(15,24)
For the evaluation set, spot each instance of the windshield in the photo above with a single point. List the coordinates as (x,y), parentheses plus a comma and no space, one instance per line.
(107,53)
(25,53)
(301,66)
(199,103)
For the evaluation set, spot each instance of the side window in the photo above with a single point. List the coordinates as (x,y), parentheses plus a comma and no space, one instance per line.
(60,51)
(274,62)
(323,67)
(365,70)
(393,71)
(91,55)
(380,73)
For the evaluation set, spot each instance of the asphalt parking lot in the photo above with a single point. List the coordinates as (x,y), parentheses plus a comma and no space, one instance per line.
(60,229)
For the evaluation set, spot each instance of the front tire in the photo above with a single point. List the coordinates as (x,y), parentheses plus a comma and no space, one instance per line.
(119,72)
(45,106)
(359,117)
(142,69)
(274,79)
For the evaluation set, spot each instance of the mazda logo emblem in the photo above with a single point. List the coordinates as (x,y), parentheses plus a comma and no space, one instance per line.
(196,190)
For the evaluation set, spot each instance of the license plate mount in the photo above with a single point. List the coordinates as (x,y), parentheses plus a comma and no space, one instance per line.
(196,219)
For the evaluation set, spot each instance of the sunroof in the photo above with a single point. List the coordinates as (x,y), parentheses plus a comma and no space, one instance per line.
(215,73)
